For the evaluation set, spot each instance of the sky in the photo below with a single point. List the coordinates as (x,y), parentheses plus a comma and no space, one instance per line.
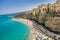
(14,6)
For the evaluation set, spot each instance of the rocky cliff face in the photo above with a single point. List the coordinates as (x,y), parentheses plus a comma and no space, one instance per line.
(53,19)
(45,15)
(53,23)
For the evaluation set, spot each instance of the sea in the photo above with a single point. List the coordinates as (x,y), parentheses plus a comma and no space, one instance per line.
(12,30)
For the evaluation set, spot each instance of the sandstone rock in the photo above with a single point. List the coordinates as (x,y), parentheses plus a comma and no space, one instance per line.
(53,24)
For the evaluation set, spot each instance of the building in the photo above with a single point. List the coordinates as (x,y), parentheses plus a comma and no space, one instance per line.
(42,8)
(42,12)
(58,2)
(55,7)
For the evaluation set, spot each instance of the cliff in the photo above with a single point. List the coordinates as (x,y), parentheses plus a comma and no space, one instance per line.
(45,14)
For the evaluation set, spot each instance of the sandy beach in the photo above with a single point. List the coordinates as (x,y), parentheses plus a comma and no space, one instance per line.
(35,34)
(30,25)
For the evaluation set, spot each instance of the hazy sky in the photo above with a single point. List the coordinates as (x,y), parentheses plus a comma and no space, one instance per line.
(13,6)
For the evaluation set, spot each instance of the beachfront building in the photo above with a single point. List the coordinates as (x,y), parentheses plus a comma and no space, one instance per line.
(42,13)
(33,12)
(42,8)
(55,7)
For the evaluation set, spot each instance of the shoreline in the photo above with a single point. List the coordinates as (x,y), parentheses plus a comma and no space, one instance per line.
(35,33)
(28,23)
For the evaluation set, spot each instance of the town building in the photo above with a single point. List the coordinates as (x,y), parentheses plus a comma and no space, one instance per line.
(55,7)
(42,8)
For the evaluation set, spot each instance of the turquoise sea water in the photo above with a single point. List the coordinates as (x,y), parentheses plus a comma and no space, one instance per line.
(12,30)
